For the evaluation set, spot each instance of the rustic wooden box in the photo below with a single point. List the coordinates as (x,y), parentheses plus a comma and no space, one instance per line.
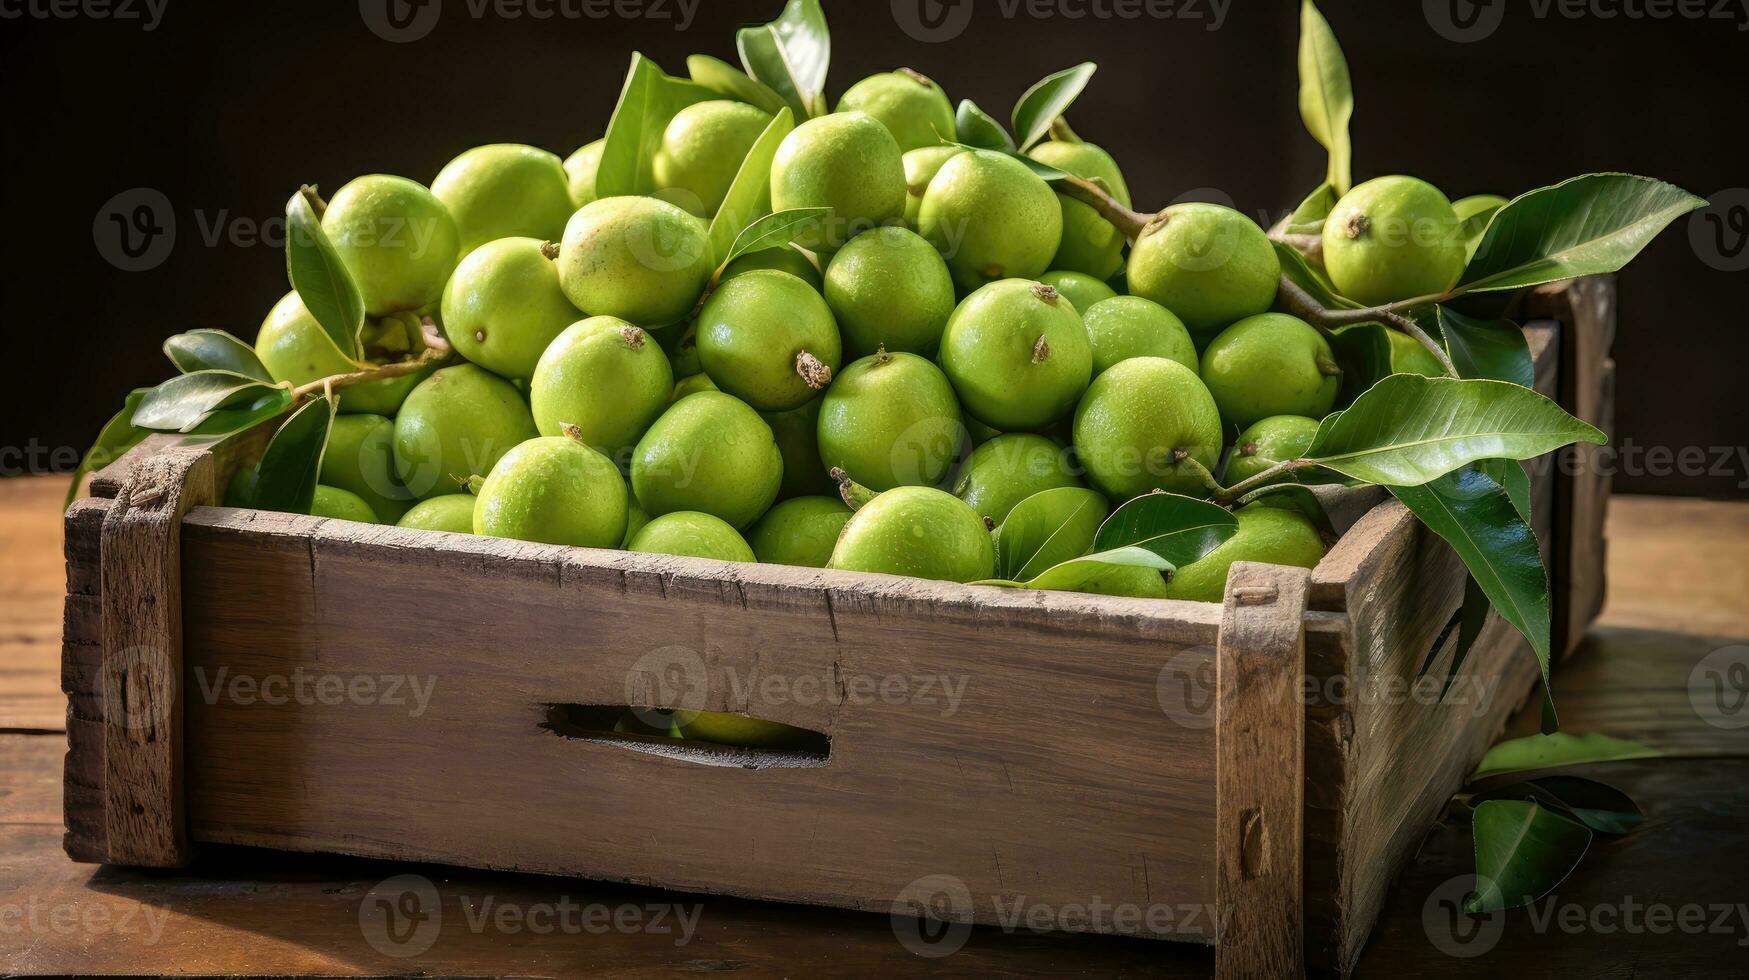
(1250,774)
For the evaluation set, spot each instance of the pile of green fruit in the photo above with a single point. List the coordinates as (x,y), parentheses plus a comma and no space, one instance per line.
(900,337)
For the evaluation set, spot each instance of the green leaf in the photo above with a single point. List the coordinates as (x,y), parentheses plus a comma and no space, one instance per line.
(726,80)
(1326,94)
(1492,349)
(1474,215)
(321,279)
(204,350)
(1477,517)
(1100,574)
(1047,529)
(183,402)
(1511,475)
(117,436)
(775,229)
(749,196)
(790,55)
(1295,496)
(1048,98)
(647,103)
(1523,851)
(1584,226)
(1472,619)
(226,421)
(1177,528)
(1599,806)
(1408,430)
(1363,351)
(1536,753)
(978,130)
(1309,217)
(1313,281)
(285,479)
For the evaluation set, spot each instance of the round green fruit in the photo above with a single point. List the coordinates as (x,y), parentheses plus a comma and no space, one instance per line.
(889,288)
(769,339)
(635,518)
(504,306)
(637,258)
(1017,354)
(711,453)
(1090,243)
(797,435)
(1078,288)
(1142,425)
(294,348)
(891,420)
(361,460)
(396,238)
(457,424)
(1393,238)
(991,218)
(1408,356)
(691,535)
(342,505)
(692,385)
(506,190)
(580,170)
(1271,364)
(801,531)
(1267,442)
(921,166)
(606,378)
(917,531)
(451,512)
(783,258)
(725,728)
(912,107)
(1008,469)
(846,161)
(1272,535)
(1210,265)
(703,147)
(553,490)
(1129,326)
(1125,581)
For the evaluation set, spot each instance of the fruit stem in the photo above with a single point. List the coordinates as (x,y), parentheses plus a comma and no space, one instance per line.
(1061,132)
(854,494)
(550,251)
(813,371)
(1274,473)
(1122,218)
(436,355)
(317,204)
(916,76)
(574,432)
(1041,351)
(1303,305)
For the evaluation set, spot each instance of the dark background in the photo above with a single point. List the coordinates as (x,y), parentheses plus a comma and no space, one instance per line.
(226,107)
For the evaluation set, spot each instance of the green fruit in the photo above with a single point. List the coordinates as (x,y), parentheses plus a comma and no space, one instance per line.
(1393,238)
(680,343)
(635,518)
(1017,354)
(396,238)
(891,420)
(1078,288)
(1129,326)
(607,379)
(917,531)
(783,258)
(913,108)
(1125,581)
(1271,364)
(1210,265)
(921,166)
(991,218)
(1408,356)
(692,386)
(797,435)
(294,348)
(504,306)
(1269,441)
(802,532)
(361,460)
(636,258)
(889,288)
(768,338)
(580,170)
(451,512)
(1266,534)
(1468,207)
(1008,469)
(711,453)
(1142,425)
(723,728)
(457,424)
(692,535)
(505,190)
(1090,243)
(978,431)
(846,161)
(342,505)
(553,490)
(703,147)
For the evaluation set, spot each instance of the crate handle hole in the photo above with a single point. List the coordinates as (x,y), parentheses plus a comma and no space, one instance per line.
(701,738)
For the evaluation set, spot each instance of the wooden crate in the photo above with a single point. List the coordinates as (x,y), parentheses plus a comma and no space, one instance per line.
(1249,774)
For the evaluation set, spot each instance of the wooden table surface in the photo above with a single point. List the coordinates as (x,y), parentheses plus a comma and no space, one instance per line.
(1679,591)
